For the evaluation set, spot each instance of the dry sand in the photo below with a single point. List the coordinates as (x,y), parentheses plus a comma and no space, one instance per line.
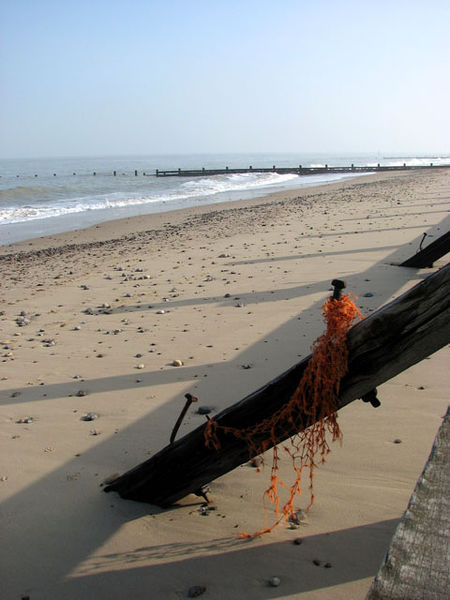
(239,284)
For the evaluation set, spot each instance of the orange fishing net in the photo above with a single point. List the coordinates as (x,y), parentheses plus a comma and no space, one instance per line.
(311,411)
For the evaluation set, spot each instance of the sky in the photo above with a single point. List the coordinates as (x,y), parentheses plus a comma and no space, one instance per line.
(140,77)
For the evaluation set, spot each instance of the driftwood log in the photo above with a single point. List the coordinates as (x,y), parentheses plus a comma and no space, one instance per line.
(389,341)
(434,251)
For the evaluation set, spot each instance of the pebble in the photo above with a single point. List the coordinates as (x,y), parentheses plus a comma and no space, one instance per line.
(111,478)
(196,590)
(89,417)
(247,366)
(397,441)
(81,393)
(204,410)
(160,312)
(256,462)
(368,295)
(140,366)
(177,363)
(298,541)
(274,581)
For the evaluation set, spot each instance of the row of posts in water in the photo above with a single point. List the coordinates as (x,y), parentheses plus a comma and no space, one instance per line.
(159,173)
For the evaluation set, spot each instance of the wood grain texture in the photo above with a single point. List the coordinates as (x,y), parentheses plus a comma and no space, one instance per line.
(417,564)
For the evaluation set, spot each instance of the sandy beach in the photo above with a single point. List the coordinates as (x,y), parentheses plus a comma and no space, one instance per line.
(92,322)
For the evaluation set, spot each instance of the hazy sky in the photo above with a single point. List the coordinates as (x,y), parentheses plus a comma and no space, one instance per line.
(101,77)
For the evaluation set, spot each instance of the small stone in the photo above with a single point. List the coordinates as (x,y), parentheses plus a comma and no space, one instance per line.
(247,366)
(177,363)
(298,541)
(196,590)
(111,478)
(25,420)
(368,295)
(81,393)
(327,565)
(204,410)
(421,387)
(89,417)
(397,441)
(3,478)
(77,328)
(140,366)
(317,562)
(256,462)
(161,312)
(274,581)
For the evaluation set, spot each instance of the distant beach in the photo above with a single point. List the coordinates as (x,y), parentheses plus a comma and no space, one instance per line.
(47,196)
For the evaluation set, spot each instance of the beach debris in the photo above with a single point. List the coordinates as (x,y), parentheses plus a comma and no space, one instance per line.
(25,420)
(204,410)
(89,311)
(161,312)
(196,590)
(246,366)
(95,432)
(81,393)
(90,416)
(274,581)
(140,366)
(177,363)
(298,541)
(3,477)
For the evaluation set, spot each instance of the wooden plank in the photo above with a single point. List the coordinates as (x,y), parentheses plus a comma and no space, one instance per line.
(389,341)
(434,251)
(416,565)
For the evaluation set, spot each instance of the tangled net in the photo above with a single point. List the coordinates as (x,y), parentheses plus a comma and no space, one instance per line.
(311,412)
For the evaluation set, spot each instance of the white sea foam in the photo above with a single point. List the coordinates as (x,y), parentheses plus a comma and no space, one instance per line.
(196,188)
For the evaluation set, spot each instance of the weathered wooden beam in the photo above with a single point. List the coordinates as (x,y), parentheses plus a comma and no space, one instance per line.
(416,564)
(389,341)
(434,251)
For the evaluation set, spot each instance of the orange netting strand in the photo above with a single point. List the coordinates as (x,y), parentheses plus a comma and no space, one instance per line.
(314,401)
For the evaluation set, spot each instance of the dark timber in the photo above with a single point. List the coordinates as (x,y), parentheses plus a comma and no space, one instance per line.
(389,341)
(299,170)
(426,257)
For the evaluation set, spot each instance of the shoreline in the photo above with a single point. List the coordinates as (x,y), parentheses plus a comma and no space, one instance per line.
(93,322)
(149,223)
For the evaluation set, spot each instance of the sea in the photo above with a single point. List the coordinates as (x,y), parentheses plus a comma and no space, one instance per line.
(45,196)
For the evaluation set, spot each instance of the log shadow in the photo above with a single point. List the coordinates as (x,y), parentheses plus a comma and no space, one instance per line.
(230,568)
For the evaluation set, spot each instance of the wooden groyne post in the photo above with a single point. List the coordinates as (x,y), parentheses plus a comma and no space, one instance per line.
(387,342)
